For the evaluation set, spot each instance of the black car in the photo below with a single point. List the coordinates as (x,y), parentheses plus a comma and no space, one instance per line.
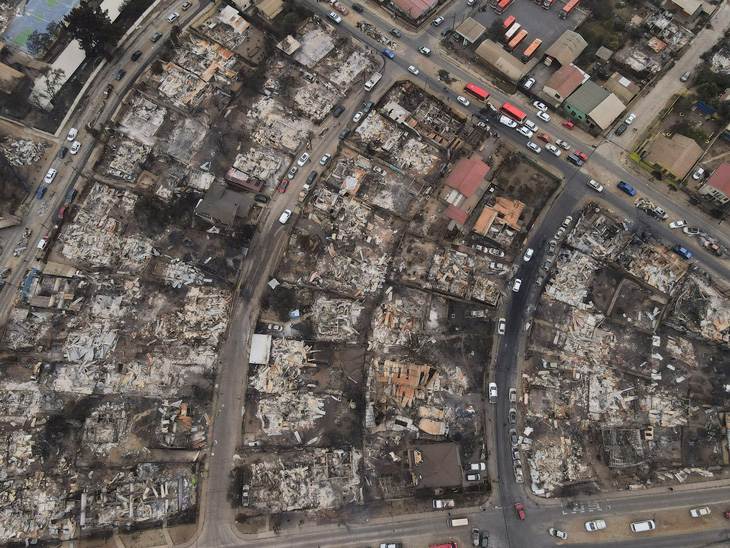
(339,110)
(358,8)
(446,32)
(120,74)
(621,129)
(62,152)
(261,198)
(573,159)
(344,133)
(136,55)
(312,177)
(71,195)
(367,107)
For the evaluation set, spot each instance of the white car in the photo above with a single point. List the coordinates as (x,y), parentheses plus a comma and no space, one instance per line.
(357,116)
(75,147)
(630,119)
(528,254)
(413,70)
(501,326)
(325,159)
(553,149)
(48,179)
(285,216)
(595,525)
(492,392)
(595,185)
(496,252)
(698,174)
(531,125)
(174,15)
(43,242)
(525,131)
(699,512)
(529,83)
(336,18)
(539,106)
(303,159)
(463,100)
(72,133)
(567,221)
(558,533)
(516,286)
(436,22)
(562,144)
(509,122)
(544,116)
(691,231)
(534,147)
(677,224)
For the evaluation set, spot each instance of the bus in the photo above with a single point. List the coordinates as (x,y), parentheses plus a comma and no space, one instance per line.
(502,6)
(476,91)
(547,4)
(516,114)
(509,22)
(516,41)
(511,32)
(531,49)
(568,8)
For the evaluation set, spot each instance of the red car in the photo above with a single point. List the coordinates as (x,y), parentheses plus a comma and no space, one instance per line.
(569,125)
(520,511)
(107,90)
(581,155)
(543,137)
(727,515)
(283,185)
(62,212)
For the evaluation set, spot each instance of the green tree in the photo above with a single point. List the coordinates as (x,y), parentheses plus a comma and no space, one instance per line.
(707,91)
(175,35)
(93,29)
(496,30)
(445,76)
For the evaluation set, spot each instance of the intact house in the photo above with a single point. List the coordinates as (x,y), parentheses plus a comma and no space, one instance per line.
(593,105)
(717,188)
(668,158)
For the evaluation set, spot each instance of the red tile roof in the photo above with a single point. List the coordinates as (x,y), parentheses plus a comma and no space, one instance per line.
(466,175)
(721,179)
(458,215)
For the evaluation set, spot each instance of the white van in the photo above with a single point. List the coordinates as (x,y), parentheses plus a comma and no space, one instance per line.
(643,526)
(458,522)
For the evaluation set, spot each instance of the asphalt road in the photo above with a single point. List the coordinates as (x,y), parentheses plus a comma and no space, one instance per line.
(268,246)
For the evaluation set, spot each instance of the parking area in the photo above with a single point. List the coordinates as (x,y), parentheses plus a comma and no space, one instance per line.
(537,21)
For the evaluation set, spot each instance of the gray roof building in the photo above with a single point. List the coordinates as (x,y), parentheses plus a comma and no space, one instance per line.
(224,205)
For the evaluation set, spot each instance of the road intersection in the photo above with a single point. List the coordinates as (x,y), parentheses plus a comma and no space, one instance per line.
(216,526)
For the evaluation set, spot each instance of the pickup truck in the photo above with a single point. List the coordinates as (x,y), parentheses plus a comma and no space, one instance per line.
(443,503)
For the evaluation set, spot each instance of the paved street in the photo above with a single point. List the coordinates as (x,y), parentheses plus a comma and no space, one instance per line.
(216,527)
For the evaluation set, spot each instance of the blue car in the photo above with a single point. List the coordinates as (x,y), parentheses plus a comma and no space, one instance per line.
(682,252)
(389,54)
(628,189)
(41,192)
